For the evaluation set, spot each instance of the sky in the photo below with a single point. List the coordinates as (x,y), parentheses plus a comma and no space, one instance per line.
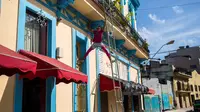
(175,22)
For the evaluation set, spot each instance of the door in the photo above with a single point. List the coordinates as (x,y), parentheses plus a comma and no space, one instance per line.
(147,104)
(155,104)
(166,104)
(104,102)
(136,103)
(34,91)
(126,109)
(180,101)
(192,96)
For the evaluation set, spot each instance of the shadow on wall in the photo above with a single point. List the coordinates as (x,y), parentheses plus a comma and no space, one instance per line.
(95,102)
(7,96)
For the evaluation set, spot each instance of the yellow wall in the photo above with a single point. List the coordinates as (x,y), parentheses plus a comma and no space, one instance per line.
(195,80)
(8,34)
(93,84)
(64,91)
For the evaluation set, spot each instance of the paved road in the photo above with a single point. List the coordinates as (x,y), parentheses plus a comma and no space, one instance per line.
(182,110)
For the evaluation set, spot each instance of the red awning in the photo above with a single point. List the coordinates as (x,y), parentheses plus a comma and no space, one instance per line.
(47,67)
(151,91)
(106,83)
(11,63)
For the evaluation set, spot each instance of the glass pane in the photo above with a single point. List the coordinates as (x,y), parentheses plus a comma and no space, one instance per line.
(81,97)
(81,88)
(32,31)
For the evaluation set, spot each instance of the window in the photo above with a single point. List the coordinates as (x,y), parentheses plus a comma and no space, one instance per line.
(34,91)
(123,70)
(195,87)
(183,86)
(199,88)
(197,95)
(81,94)
(179,85)
(191,87)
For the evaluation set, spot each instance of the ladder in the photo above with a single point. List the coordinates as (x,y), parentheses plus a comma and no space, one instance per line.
(114,63)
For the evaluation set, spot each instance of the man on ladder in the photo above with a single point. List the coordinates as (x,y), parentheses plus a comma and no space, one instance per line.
(97,42)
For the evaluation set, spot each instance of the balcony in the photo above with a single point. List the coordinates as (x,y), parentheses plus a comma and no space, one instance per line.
(94,11)
(122,23)
(182,87)
(180,72)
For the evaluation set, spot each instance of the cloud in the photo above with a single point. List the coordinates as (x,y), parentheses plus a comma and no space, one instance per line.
(178,10)
(181,29)
(154,18)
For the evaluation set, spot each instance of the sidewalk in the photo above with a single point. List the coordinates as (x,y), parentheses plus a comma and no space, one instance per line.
(190,109)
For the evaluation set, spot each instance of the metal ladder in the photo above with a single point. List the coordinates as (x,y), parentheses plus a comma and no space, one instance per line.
(114,63)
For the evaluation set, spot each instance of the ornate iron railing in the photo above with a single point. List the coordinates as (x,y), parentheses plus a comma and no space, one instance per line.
(122,23)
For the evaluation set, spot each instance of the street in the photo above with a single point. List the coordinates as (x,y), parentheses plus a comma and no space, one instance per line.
(182,110)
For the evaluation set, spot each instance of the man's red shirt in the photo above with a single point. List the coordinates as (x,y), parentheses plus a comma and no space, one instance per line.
(98,36)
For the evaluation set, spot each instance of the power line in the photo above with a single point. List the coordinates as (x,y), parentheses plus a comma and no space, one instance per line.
(170,51)
(164,52)
(169,6)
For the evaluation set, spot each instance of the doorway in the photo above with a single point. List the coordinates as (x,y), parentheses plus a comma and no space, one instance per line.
(136,103)
(192,96)
(126,105)
(180,101)
(104,101)
(34,91)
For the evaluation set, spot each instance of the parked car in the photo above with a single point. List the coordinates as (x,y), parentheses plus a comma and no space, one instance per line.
(196,105)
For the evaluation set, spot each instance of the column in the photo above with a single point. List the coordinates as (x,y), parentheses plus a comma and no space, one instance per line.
(133,17)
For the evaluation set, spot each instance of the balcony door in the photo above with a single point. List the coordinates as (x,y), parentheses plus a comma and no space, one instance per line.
(34,91)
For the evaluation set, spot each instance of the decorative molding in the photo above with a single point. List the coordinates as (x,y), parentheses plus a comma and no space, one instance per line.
(64,3)
(95,24)
(131,52)
(119,43)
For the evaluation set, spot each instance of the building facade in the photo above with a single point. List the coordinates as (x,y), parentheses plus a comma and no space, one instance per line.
(194,86)
(185,57)
(181,88)
(47,26)
(159,77)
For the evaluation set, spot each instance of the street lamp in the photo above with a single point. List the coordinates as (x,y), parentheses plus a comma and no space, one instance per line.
(168,43)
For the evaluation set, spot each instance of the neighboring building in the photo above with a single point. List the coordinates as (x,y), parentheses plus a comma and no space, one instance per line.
(194,83)
(185,57)
(185,60)
(40,26)
(159,77)
(181,88)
